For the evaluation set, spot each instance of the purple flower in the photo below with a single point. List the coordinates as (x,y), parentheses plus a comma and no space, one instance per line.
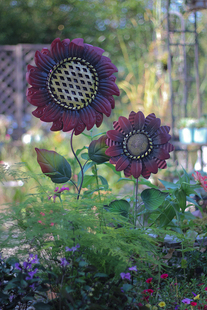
(186,301)
(27,265)
(194,294)
(125,276)
(64,262)
(31,274)
(176,307)
(134,268)
(17,266)
(34,260)
(73,249)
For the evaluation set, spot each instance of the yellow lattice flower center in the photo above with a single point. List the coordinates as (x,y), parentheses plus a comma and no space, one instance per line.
(73,83)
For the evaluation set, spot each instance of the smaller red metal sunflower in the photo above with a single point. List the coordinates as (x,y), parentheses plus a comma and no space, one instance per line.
(72,86)
(139,145)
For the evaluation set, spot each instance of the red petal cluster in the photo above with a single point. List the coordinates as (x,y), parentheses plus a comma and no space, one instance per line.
(67,119)
(158,137)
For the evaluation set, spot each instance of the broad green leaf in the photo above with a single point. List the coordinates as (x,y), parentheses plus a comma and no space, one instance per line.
(103,181)
(166,216)
(88,179)
(54,165)
(170,185)
(120,206)
(188,188)
(181,199)
(85,156)
(153,198)
(96,150)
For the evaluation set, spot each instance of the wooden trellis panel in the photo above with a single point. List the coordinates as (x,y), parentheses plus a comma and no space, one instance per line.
(13,65)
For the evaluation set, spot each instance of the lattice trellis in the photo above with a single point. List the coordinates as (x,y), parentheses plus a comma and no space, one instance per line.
(13,65)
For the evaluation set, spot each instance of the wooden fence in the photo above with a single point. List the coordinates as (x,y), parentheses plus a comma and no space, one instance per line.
(13,65)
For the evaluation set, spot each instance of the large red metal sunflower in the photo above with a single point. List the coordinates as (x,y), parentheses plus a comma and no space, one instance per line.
(139,145)
(72,86)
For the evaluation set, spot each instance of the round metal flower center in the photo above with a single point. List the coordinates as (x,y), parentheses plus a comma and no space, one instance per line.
(138,144)
(73,83)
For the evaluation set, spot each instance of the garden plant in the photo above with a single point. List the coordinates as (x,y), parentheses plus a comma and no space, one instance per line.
(75,244)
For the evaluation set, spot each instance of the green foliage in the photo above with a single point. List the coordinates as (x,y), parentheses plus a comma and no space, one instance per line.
(96,150)
(54,165)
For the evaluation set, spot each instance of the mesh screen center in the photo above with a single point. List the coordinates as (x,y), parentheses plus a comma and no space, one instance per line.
(137,144)
(72,84)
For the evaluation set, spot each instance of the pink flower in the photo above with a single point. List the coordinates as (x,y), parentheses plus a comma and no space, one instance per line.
(200,179)
(164,276)
(41,222)
(52,224)
(62,189)
(193,303)
(205,288)
(149,280)
(42,213)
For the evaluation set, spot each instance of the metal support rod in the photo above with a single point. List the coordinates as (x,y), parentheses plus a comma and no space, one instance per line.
(199,108)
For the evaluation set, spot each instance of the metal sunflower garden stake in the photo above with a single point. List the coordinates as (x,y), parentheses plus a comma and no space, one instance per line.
(72,86)
(139,146)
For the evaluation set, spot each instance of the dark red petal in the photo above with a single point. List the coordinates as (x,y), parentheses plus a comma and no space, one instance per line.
(161,138)
(151,165)
(113,160)
(36,77)
(112,101)
(107,87)
(160,153)
(112,78)
(37,97)
(76,47)
(145,172)
(139,121)
(99,118)
(92,54)
(106,69)
(102,105)
(43,62)
(45,51)
(39,111)
(110,142)
(122,163)
(162,129)
(131,117)
(115,135)
(125,124)
(51,113)
(57,125)
(80,127)
(88,117)
(127,171)
(168,147)
(70,120)
(117,127)
(149,118)
(136,168)
(114,151)
(161,163)
(153,126)
(59,50)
